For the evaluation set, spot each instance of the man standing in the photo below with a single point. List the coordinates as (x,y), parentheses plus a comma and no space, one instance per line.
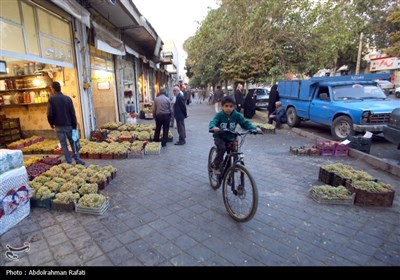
(239,97)
(162,114)
(61,117)
(180,114)
(273,98)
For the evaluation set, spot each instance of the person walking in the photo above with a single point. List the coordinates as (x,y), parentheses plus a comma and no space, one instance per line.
(180,114)
(273,98)
(61,117)
(218,94)
(239,98)
(162,114)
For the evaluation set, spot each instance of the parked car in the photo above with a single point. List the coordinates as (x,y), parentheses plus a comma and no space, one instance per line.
(398,92)
(387,87)
(392,131)
(262,97)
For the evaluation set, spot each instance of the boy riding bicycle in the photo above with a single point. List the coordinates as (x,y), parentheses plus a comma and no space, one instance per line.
(227,118)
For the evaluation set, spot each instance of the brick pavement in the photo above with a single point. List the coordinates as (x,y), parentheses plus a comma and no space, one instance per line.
(164,213)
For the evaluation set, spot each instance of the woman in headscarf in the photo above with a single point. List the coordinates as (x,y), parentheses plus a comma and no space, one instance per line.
(250,104)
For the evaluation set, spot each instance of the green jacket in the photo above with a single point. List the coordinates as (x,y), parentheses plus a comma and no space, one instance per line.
(223,121)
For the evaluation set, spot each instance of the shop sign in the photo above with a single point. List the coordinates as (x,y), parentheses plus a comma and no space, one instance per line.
(387,63)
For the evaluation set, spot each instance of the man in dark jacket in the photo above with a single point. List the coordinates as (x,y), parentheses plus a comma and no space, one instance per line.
(61,117)
(180,114)
(273,98)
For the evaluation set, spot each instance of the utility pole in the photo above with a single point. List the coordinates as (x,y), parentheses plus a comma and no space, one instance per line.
(359,54)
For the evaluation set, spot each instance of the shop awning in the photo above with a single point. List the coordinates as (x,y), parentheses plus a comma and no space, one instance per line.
(107,42)
(131,51)
(75,9)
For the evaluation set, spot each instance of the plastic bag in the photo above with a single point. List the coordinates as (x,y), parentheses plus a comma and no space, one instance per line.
(75,137)
(75,134)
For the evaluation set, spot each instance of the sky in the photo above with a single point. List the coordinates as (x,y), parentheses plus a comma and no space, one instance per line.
(175,19)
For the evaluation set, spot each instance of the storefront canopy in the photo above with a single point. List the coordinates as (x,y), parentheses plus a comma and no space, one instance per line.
(107,42)
(76,10)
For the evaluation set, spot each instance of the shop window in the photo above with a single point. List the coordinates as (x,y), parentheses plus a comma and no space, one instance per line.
(54,26)
(11,38)
(30,30)
(9,10)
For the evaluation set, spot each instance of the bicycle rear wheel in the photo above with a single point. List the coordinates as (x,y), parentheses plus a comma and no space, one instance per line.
(215,181)
(240,193)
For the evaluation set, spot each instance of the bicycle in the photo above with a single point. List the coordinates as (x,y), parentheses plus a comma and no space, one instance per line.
(237,182)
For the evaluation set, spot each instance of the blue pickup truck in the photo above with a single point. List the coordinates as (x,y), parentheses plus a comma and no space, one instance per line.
(347,104)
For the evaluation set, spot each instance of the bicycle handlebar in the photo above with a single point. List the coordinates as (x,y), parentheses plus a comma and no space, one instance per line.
(237,133)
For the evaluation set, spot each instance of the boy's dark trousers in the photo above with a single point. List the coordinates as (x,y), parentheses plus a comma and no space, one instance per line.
(221,149)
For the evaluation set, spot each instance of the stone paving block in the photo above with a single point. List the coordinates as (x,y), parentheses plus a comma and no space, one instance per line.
(215,244)
(137,247)
(151,258)
(131,262)
(119,255)
(185,242)
(62,249)
(159,224)
(70,260)
(184,259)
(76,232)
(300,259)
(171,232)
(127,237)
(108,244)
(90,252)
(40,257)
(99,261)
(82,241)
(168,250)
(52,230)
(57,239)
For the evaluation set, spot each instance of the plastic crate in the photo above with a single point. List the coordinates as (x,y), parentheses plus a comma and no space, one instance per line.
(341,150)
(56,206)
(41,203)
(157,152)
(92,211)
(318,198)
(326,147)
(365,198)
(325,176)
(107,156)
(337,180)
(9,123)
(139,154)
(360,143)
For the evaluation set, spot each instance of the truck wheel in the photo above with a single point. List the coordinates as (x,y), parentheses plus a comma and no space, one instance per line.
(398,94)
(292,118)
(342,127)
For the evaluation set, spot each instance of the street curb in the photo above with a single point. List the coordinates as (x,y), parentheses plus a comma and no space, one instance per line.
(370,159)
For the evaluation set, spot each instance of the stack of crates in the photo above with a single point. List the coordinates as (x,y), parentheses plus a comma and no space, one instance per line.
(10,131)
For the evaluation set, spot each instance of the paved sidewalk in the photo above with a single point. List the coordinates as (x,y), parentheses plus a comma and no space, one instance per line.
(164,213)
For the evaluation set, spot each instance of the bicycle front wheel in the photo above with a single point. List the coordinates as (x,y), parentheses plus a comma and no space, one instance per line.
(240,193)
(214,178)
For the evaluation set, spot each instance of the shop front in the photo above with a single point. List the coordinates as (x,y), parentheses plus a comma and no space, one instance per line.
(38,48)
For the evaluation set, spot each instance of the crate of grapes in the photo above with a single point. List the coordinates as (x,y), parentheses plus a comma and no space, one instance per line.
(93,211)
(332,195)
(153,148)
